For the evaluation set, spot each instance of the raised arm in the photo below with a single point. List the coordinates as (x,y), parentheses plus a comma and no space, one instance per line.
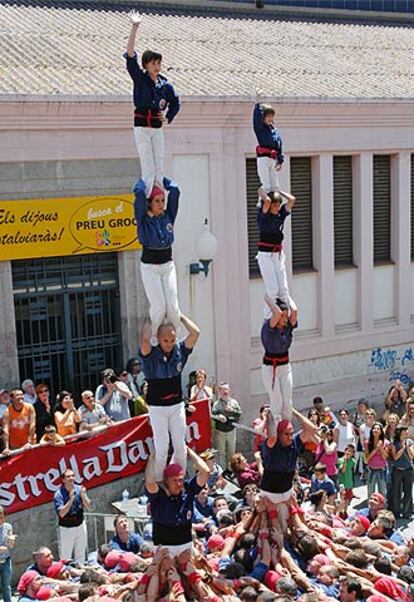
(193,331)
(140,203)
(276,311)
(145,345)
(266,202)
(271,430)
(150,482)
(6,436)
(135,23)
(293,317)
(173,197)
(258,117)
(203,471)
(291,200)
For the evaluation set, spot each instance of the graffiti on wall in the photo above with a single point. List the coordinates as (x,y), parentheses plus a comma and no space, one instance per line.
(393,362)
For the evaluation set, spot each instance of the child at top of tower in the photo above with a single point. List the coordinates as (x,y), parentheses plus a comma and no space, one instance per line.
(153,94)
(269,149)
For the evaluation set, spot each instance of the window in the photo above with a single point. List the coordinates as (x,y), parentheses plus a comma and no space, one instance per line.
(342,198)
(252,185)
(301,187)
(382,208)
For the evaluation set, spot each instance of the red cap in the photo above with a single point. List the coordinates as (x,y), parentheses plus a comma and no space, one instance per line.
(127,561)
(364,520)
(54,569)
(173,470)
(379,497)
(112,558)
(377,598)
(283,425)
(271,578)
(322,559)
(388,587)
(156,191)
(25,580)
(215,541)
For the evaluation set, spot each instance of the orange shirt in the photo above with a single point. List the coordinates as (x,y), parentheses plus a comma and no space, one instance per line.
(19,426)
(66,429)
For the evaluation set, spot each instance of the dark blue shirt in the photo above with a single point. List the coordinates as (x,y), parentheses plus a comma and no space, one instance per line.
(275,340)
(201,512)
(267,135)
(150,95)
(174,510)
(61,497)
(282,458)
(326,485)
(133,544)
(271,226)
(164,374)
(156,232)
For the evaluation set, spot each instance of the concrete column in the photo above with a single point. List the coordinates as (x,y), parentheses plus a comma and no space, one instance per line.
(363,236)
(400,234)
(134,306)
(284,179)
(323,246)
(9,364)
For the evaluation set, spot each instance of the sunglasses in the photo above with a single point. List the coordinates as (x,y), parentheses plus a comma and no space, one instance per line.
(44,391)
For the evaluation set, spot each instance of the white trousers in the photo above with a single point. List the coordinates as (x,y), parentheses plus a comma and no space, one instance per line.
(280,394)
(268,176)
(165,421)
(150,147)
(272,268)
(178,549)
(73,543)
(160,284)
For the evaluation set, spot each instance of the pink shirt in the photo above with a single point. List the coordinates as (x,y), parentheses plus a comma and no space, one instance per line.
(328,459)
(377,461)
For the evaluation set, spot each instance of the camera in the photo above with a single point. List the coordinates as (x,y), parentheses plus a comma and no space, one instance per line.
(324,428)
(110,376)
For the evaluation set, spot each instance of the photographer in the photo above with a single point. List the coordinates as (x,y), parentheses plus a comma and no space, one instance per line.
(113,395)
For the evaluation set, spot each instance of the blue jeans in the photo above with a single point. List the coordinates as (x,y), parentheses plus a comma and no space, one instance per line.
(377,476)
(5,576)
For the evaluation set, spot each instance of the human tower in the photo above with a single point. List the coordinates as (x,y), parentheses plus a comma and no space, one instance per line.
(156,206)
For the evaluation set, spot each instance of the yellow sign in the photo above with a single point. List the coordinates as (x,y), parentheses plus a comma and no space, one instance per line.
(66,226)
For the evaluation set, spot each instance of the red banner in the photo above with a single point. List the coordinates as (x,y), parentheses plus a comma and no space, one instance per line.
(31,478)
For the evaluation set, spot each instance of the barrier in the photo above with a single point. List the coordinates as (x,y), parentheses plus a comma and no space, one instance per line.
(30,478)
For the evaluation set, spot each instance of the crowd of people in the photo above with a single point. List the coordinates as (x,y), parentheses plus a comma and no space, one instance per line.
(286,532)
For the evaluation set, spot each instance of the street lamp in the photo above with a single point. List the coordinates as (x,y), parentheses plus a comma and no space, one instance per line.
(206,248)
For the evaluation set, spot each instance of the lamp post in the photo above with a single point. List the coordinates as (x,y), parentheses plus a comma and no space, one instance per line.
(206,248)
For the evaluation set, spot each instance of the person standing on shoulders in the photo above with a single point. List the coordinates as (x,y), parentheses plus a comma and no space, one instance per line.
(70,502)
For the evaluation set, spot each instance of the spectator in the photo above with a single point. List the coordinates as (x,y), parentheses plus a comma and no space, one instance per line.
(244,472)
(43,409)
(7,541)
(113,395)
(309,451)
(395,401)
(51,437)
(383,528)
(210,458)
(408,418)
(226,412)
(18,424)
(376,453)
(203,509)
(259,425)
(350,590)
(29,391)
(321,481)
(390,426)
(402,454)
(124,539)
(346,434)
(70,502)
(346,467)
(318,405)
(200,390)
(136,377)
(92,414)
(139,404)
(67,417)
(326,451)
(4,401)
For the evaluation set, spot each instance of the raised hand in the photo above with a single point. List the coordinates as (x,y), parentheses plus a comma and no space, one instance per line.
(135,18)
